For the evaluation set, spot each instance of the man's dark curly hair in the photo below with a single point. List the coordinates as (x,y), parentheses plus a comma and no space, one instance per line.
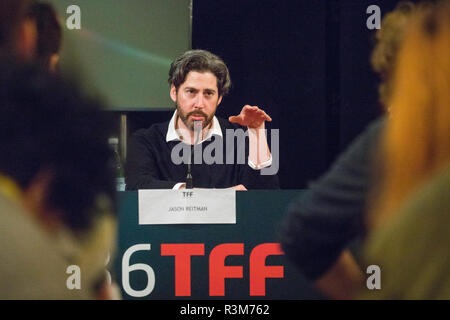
(200,61)
(48,126)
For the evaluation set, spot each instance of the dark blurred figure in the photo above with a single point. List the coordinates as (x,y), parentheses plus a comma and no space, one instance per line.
(324,221)
(410,210)
(17,30)
(49,36)
(56,187)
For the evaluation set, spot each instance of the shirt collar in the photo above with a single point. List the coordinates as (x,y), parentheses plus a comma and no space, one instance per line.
(173,135)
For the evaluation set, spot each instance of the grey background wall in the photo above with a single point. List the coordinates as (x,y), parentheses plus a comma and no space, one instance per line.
(124,48)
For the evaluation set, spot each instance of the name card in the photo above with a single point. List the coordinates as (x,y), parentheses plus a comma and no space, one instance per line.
(193,206)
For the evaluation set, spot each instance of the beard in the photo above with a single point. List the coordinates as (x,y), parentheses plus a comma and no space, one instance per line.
(189,123)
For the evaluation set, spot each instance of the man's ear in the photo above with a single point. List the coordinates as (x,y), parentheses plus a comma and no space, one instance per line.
(173,93)
(220,100)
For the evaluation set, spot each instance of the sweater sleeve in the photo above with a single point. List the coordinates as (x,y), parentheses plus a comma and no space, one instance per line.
(322,221)
(141,169)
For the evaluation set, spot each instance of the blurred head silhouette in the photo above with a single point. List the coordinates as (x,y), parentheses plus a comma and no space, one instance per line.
(17,30)
(53,145)
(416,143)
(388,40)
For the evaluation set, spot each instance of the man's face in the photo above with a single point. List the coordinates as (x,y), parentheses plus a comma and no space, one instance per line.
(197,98)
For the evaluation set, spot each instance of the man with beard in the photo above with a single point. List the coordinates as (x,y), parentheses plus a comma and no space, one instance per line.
(198,81)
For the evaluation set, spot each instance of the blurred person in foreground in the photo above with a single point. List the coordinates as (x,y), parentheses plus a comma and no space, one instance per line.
(56,188)
(410,211)
(18,33)
(49,36)
(324,221)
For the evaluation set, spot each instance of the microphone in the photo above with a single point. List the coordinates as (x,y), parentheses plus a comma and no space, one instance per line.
(197,132)
(189,182)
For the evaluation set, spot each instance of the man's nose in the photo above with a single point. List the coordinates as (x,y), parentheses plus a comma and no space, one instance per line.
(199,101)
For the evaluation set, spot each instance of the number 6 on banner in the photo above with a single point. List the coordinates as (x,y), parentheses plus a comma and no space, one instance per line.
(126,269)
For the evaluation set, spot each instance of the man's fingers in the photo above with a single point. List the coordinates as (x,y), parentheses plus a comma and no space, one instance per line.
(267,117)
(264,116)
(248,108)
(234,119)
(250,115)
(239,187)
